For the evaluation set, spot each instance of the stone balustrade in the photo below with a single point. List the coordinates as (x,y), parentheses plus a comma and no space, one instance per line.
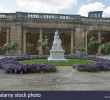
(48,16)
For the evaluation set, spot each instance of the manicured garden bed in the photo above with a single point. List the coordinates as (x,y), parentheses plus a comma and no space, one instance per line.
(18,65)
(100,65)
(70,62)
(11,65)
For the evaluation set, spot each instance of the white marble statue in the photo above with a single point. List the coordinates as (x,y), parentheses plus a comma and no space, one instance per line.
(57,53)
(57,42)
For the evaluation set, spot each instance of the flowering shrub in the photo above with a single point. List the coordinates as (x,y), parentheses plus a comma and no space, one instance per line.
(101,65)
(10,65)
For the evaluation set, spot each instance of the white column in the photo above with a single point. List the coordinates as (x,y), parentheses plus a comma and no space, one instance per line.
(86,50)
(72,41)
(40,38)
(24,41)
(7,35)
(99,39)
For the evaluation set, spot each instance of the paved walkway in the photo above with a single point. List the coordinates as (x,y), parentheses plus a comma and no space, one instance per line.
(66,78)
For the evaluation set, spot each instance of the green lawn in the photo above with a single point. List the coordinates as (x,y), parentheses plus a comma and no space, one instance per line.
(70,62)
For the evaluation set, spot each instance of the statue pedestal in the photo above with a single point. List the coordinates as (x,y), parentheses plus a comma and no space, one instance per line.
(57,55)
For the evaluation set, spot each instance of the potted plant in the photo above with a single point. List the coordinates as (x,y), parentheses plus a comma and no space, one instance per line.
(42,44)
(11,47)
(80,52)
(95,44)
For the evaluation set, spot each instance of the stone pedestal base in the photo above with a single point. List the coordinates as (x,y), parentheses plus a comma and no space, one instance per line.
(57,55)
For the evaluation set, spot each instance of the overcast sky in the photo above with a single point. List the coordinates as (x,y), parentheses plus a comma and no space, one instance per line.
(56,6)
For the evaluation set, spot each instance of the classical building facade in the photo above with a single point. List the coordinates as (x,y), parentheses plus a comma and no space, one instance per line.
(27,28)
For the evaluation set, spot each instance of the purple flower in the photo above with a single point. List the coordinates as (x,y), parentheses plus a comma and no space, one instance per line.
(11,65)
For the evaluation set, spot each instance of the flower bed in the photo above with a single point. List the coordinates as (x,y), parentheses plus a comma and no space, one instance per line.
(10,65)
(100,65)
